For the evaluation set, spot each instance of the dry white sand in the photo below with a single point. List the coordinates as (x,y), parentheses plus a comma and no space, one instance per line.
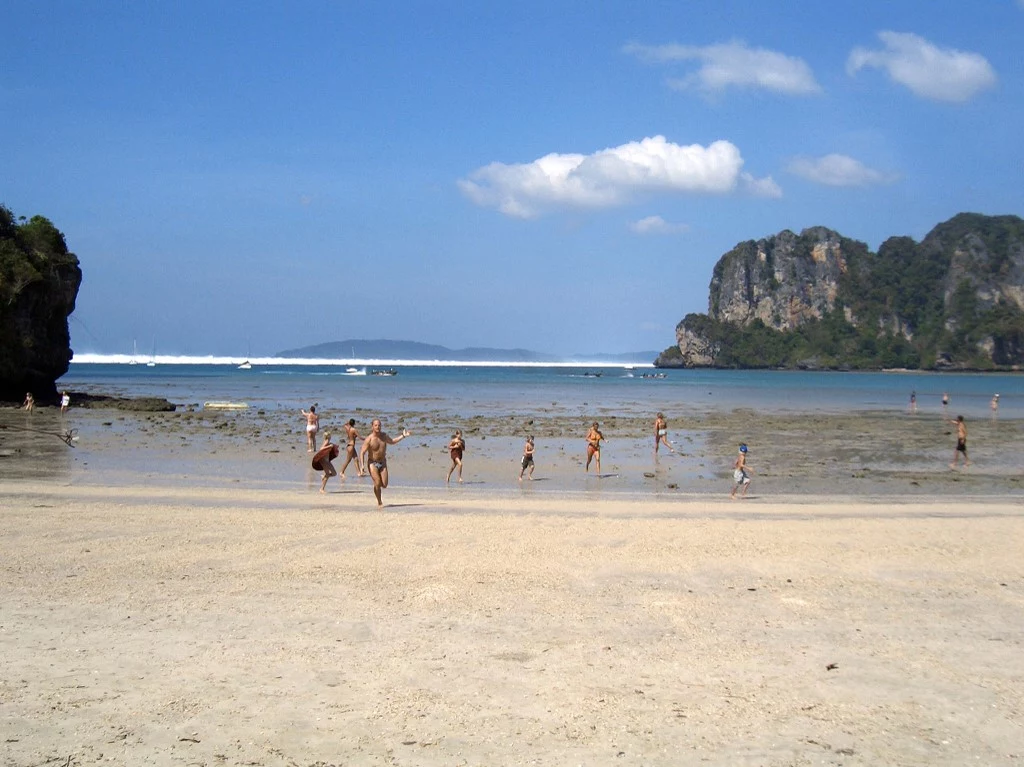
(175,626)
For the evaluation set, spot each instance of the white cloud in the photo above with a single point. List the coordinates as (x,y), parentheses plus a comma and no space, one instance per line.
(657,225)
(761,187)
(734,64)
(943,74)
(838,170)
(606,178)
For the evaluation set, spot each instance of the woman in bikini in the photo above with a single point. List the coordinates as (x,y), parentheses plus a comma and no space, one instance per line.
(594,437)
(351,435)
(456,448)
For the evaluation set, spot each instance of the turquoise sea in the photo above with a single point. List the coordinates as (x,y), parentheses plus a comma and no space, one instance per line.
(468,390)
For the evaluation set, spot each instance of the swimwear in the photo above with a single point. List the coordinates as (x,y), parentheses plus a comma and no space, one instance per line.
(527,461)
(662,432)
(741,477)
(312,427)
(593,447)
(961,445)
(379,465)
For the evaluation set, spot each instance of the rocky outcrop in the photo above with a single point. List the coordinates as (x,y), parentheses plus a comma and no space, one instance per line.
(39,281)
(954,300)
(783,281)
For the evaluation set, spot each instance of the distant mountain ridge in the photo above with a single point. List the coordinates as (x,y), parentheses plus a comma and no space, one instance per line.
(385,349)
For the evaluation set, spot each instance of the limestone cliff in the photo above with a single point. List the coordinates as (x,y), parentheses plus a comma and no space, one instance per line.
(39,280)
(817,298)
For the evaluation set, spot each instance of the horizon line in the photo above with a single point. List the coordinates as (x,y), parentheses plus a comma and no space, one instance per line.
(87,358)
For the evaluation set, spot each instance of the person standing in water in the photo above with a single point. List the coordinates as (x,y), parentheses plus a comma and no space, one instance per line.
(374,455)
(351,435)
(312,427)
(961,442)
(741,473)
(528,450)
(594,438)
(456,447)
(661,433)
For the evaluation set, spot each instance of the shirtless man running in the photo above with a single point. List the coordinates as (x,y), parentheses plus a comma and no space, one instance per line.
(312,427)
(374,455)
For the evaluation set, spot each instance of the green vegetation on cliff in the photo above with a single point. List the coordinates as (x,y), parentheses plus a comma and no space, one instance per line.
(954,300)
(39,280)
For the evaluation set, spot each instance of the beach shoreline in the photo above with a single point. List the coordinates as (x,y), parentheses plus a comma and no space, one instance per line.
(176,591)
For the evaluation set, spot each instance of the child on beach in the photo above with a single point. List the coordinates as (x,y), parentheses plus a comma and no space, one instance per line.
(322,460)
(527,458)
(961,442)
(456,447)
(741,473)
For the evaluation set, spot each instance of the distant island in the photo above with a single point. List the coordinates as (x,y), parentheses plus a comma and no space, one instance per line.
(383,349)
(818,300)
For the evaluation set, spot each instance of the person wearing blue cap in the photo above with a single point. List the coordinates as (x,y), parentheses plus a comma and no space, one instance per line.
(741,473)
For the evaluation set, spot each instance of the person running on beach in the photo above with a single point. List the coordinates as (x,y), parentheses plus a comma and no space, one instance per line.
(30,402)
(322,460)
(65,401)
(594,437)
(351,436)
(455,449)
(961,442)
(661,433)
(741,473)
(312,427)
(527,458)
(374,455)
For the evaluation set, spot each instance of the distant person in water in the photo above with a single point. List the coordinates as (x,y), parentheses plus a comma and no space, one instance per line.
(994,404)
(30,402)
(741,473)
(945,399)
(312,427)
(351,436)
(913,402)
(661,433)
(374,455)
(961,442)
(594,438)
(322,460)
(65,402)
(527,458)
(456,447)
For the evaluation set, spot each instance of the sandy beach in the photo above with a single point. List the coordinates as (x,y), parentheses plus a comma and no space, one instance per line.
(188,608)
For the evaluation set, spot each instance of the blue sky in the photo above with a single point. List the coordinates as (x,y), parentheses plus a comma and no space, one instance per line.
(560,176)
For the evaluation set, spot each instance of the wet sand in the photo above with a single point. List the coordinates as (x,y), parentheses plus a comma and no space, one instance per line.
(175,592)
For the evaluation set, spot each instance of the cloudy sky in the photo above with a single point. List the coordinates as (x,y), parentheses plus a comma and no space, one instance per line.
(559,176)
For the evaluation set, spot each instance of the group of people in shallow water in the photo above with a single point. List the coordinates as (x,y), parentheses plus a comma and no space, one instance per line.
(372,457)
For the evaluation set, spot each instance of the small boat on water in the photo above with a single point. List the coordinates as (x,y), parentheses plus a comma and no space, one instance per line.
(245,365)
(388,372)
(355,371)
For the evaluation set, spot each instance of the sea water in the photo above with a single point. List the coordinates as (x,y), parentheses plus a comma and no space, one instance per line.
(489,390)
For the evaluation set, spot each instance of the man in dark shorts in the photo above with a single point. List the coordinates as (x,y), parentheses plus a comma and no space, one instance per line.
(961,442)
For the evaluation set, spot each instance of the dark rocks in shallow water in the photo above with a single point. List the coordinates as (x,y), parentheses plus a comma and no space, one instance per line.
(134,404)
